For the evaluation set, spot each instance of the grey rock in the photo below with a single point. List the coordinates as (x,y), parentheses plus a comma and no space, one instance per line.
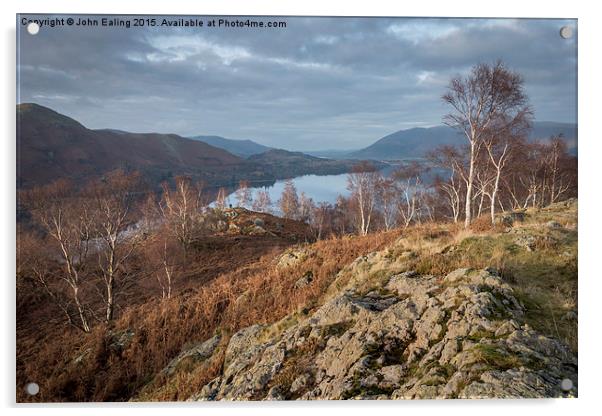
(300,383)
(275,394)
(121,339)
(420,336)
(292,257)
(526,241)
(305,280)
(198,352)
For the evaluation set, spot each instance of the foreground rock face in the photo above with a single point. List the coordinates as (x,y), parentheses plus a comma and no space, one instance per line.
(458,336)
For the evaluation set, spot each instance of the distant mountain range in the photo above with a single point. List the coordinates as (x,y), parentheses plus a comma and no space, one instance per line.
(51,146)
(416,142)
(242,148)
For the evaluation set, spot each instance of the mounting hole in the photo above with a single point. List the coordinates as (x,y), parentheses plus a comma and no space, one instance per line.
(566,32)
(32,389)
(566,384)
(33,28)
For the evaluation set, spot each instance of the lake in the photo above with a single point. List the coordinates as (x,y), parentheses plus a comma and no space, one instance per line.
(323,188)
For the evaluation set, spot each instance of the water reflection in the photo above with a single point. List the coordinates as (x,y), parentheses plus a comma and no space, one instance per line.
(324,188)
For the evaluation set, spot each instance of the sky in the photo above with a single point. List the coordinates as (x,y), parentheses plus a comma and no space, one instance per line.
(319,83)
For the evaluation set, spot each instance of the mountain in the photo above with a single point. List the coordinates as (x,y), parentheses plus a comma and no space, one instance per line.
(411,143)
(291,164)
(416,142)
(241,148)
(543,130)
(51,145)
(331,153)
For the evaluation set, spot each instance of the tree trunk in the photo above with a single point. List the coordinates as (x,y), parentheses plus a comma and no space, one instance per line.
(494,194)
(469,186)
(80,310)
(110,299)
(481,201)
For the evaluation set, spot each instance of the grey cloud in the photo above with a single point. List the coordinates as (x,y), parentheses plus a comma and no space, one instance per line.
(319,83)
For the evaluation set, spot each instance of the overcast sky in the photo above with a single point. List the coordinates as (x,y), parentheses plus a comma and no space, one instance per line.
(319,83)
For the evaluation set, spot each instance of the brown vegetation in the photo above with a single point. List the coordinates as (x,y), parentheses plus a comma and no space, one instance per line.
(119,359)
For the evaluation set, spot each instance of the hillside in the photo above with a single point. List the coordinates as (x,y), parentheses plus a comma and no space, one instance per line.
(53,146)
(393,327)
(241,148)
(433,312)
(416,142)
(290,164)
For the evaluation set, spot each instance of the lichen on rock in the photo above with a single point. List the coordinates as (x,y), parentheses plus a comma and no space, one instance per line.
(456,336)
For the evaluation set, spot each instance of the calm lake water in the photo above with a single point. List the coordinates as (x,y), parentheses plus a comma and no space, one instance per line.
(319,188)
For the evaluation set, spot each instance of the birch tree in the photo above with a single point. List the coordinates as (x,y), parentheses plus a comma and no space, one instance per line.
(113,201)
(487,94)
(501,140)
(262,202)
(452,161)
(181,208)
(289,201)
(243,194)
(410,192)
(387,195)
(68,221)
(361,182)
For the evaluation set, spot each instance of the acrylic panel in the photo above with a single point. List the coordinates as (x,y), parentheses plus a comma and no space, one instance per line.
(295,208)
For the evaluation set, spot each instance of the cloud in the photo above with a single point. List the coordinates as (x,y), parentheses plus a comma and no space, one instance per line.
(420,31)
(182,48)
(319,83)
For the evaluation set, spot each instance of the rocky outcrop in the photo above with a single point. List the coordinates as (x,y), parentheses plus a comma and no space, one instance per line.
(415,336)
(292,257)
(198,352)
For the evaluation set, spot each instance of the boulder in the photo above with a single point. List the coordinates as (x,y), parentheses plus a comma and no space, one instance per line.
(305,280)
(198,352)
(526,241)
(292,257)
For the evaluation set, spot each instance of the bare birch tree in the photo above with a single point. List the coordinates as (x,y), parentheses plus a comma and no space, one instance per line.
(289,201)
(182,207)
(450,160)
(361,182)
(487,94)
(164,258)
(322,219)
(221,200)
(387,194)
(306,207)
(262,202)
(504,137)
(243,194)
(113,201)
(410,192)
(68,220)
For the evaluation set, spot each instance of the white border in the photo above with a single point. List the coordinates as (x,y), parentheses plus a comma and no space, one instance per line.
(590,151)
